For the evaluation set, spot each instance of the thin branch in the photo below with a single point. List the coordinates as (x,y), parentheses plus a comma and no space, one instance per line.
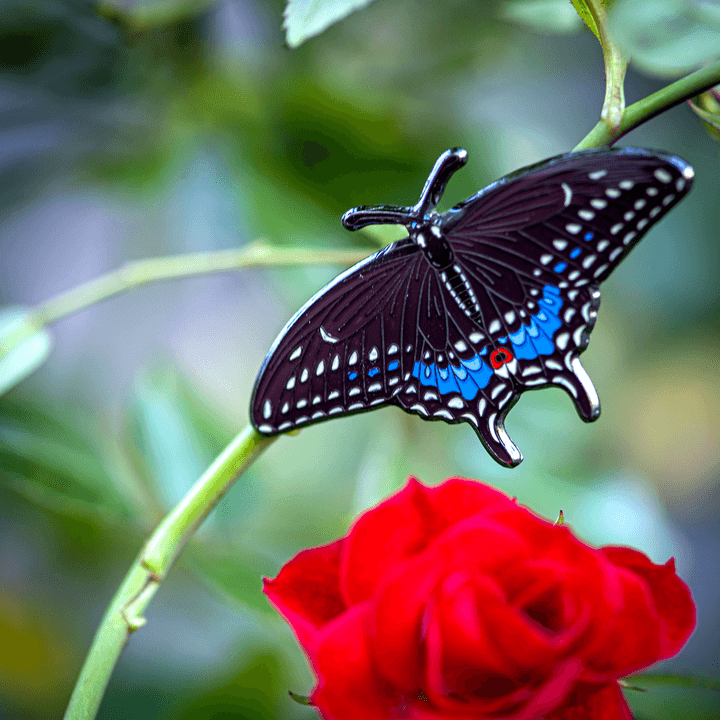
(125,613)
(142,272)
(647,108)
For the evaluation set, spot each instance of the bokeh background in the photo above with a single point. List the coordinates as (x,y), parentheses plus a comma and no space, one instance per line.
(195,128)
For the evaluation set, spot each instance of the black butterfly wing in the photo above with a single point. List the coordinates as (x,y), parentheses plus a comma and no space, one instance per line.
(513,312)
(535,246)
(365,340)
(352,347)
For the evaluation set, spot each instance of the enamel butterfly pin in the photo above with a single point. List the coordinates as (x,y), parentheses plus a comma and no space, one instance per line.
(477,305)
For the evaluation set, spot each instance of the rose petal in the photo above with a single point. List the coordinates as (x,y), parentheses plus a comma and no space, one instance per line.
(671,596)
(593,702)
(404,525)
(400,603)
(349,687)
(306,591)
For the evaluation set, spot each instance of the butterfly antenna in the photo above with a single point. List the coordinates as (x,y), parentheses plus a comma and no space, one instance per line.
(445,167)
(450,161)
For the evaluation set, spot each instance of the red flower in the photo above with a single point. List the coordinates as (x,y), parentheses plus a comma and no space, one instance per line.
(456,602)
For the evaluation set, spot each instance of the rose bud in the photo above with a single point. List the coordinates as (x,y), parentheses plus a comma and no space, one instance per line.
(456,602)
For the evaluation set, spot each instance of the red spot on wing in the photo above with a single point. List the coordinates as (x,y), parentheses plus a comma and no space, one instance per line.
(500,357)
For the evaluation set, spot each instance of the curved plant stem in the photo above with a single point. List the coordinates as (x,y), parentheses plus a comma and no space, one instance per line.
(616,62)
(647,108)
(125,613)
(142,272)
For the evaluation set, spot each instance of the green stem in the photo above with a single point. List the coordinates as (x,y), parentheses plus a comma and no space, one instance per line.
(616,62)
(125,613)
(142,272)
(647,108)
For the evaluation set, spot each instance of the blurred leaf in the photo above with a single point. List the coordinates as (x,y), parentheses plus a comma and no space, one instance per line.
(23,347)
(36,657)
(143,15)
(234,573)
(177,440)
(667,37)
(306,18)
(680,681)
(546,16)
(671,702)
(59,465)
(254,690)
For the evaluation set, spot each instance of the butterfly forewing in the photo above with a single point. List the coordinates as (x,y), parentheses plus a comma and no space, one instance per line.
(513,310)
(349,348)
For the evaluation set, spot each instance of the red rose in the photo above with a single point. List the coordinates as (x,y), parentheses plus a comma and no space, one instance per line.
(456,602)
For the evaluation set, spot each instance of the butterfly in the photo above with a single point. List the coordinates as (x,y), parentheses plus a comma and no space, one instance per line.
(494,297)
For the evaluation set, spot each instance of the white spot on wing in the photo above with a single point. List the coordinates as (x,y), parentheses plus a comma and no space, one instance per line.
(295,354)
(560,245)
(267,409)
(662,175)
(568,193)
(320,369)
(326,336)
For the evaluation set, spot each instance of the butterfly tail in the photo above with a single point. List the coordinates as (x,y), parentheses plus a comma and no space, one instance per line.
(494,437)
(577,383)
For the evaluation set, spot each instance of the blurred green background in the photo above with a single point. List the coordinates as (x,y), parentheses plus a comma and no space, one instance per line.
(196,128)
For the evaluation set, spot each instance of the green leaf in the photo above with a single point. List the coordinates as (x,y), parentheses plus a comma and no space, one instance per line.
(66,465)
(234,574)
(143,15)
(584,12)
(177,444)
(676,681)
(667,37)
(23,347)
(300,699)
(707,107)
(552,17)
(306,18)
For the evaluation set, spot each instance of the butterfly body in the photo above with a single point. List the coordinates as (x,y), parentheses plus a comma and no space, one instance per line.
(492,298)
